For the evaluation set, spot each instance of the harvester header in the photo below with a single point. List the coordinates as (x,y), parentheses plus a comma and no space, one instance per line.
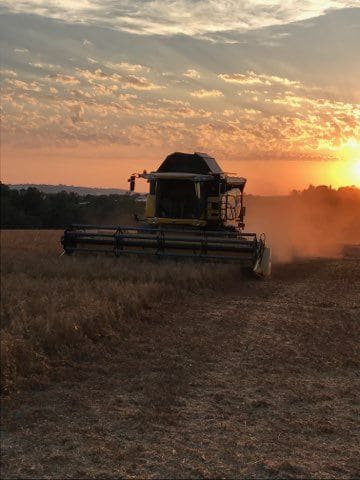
(193,209)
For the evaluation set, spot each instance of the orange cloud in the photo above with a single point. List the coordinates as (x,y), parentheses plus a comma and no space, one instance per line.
(192,73)
(252,78)
(8,73)
(140,83)
(129,67)
(126,81)
(203,93)
(61,78)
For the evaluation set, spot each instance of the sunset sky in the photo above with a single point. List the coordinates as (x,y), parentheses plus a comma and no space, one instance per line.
(95,90)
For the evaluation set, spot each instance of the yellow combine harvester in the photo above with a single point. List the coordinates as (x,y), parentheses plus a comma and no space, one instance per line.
(193,209)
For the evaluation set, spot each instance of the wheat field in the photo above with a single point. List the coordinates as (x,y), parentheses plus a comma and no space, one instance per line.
(122,369)
(57,308)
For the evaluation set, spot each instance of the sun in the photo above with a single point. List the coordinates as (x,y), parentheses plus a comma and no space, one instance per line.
(350,155)
(356,169)
(346,169)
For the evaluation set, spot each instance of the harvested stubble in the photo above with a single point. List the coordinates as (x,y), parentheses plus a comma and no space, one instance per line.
(259,381)
(65,308)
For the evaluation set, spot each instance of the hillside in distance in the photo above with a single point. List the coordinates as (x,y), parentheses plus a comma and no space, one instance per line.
(45,188)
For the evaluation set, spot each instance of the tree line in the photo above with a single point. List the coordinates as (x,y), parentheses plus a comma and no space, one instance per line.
(30,207)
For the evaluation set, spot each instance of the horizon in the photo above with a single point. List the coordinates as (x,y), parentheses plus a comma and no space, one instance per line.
(93,92)
(93,187)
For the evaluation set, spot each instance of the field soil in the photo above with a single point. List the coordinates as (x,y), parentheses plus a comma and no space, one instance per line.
(259,380)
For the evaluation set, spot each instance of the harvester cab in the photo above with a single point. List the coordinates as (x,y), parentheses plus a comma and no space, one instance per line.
(193,209)
(192,190)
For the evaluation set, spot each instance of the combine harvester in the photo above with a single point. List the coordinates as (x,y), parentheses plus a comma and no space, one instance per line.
(193,210)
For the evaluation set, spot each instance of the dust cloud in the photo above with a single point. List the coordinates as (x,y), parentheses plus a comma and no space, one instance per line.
(317,222)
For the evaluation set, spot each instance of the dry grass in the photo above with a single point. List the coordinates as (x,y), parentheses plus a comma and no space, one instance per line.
(256,380)
(61,308)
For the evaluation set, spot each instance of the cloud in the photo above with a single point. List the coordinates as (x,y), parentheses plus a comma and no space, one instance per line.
(172,109)
(65,79)
(277,114)
(99,89)
(8,73)
(128,67)
(169,17)
(191,73)
(140,83)
(169,134)
(44,66)
(252,78)
(288,123)
(21,50)
(127,81)
(206,93)
(77,113)
(81,94)
(127,96)
(91,75)
(24,86)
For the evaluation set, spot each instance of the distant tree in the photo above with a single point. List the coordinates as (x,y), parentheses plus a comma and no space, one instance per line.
(30,207)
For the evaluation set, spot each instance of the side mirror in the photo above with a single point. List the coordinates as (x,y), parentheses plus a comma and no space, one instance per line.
(132,183)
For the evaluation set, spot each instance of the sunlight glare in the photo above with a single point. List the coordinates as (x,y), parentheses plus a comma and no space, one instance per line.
(356,170)
(346,170)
